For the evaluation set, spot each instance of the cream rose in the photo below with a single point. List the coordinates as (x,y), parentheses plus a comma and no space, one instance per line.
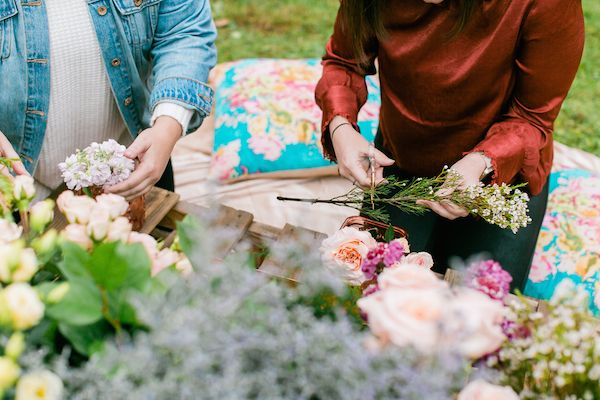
(97,227)
(27,267)
(482,390)
(344,251)
(406,317)
(476,323)
(23,306)
(164,259)
(41,215)
(9,373)
(422,259)
(119,229)
(39,385)
(114,204)
(77,234)
(9,231)
(77,209)
(149,243)
(23,187)
(410,276)
(184,266)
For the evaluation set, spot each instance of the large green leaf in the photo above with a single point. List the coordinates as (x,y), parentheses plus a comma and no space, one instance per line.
(88,339)
(186,231)
(74,262)
(82,305)
(108,267)
(138,266)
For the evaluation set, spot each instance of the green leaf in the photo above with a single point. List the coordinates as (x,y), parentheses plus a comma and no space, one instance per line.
(88,339)
(74,262)
(108,267)
(138,266)
(389,234)
(82,305)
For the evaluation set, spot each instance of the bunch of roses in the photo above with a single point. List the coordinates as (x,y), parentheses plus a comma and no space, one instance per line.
(97,165)
(358,258)
(103,220)
(556,356)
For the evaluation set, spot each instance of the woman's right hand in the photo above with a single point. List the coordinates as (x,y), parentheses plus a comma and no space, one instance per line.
(7,151)
(352,153)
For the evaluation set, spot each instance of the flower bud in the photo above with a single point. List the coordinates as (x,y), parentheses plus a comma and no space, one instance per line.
(184,266)
(77,234)
(58,293)
(164,259)
(46,243)
(23,187)
(28,266)
(9,373)
(15,346)
(9,231)
(97,227)
(41,215)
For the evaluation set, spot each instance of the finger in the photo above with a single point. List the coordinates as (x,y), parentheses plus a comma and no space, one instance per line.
(138,147)
(139,190)
(5,171)
(454,209)
(382,159)
(137,177)
(10,153)
(445,191)
(438,209)
(360,176)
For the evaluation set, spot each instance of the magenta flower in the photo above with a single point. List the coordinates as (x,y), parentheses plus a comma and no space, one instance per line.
(370,265)
(490,278)
(394,252)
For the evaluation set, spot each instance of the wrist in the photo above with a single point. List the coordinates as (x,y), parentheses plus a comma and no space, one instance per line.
(168,127)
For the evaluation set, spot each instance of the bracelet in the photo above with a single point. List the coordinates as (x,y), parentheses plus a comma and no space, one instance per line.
(337,127)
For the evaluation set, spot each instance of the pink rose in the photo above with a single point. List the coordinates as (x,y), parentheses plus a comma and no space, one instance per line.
(114,204)
(475,323)
(77,234)
(344,251)
(422,259)
(406,317)
(481,390)
(149,243)
(409,276)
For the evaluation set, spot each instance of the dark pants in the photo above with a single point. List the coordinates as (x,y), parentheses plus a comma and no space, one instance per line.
(466,237)
(167,180)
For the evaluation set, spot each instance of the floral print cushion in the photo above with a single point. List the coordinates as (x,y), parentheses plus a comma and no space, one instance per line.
(266,118)
(569,242)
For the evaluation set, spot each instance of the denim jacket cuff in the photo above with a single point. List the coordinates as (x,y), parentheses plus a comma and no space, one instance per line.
(187,92)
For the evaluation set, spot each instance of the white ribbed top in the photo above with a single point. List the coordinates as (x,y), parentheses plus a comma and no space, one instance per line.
(82,108)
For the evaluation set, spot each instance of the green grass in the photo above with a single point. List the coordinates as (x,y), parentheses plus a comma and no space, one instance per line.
(300,28)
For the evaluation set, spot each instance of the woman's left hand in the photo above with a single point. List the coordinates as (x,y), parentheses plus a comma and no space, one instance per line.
(153,149)
(470,168)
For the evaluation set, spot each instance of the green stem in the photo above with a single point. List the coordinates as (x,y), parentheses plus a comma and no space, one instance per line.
(116,324)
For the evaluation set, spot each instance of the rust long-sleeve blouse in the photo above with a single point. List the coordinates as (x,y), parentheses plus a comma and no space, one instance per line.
(495,87)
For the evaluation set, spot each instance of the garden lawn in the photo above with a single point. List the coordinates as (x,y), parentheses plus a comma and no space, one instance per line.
(300,28)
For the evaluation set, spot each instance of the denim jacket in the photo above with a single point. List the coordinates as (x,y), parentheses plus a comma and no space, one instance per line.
(153,50)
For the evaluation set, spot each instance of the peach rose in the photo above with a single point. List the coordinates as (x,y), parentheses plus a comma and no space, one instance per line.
(482,390)
(77,234)
(77,209)
(344,251)
(410,276)
(422,259)
(476,323)
(165,259)
(406,317)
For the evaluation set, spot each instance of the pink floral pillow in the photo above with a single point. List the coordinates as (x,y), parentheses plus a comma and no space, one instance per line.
(266,118)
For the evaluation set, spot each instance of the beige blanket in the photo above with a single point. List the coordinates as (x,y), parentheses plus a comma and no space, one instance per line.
(191,160)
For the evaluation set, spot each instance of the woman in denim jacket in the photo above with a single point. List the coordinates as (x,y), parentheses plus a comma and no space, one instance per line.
(77,71)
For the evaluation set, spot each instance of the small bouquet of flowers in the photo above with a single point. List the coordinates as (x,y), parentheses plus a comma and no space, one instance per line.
(98,165)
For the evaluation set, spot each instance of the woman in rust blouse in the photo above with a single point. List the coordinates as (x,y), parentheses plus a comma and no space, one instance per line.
(474,84)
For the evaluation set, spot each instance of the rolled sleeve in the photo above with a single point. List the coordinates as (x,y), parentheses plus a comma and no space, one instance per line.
(183,54)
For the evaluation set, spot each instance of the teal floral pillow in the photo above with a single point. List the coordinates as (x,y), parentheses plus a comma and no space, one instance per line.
(569,242)
(266,118)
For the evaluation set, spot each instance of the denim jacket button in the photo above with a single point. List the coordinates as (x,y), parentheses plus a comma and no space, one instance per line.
(137,3)
(102,10)
(115,62)
(128,101)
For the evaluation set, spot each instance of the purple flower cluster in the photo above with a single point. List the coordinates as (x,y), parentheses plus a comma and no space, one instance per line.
(490,278)
(383,256)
